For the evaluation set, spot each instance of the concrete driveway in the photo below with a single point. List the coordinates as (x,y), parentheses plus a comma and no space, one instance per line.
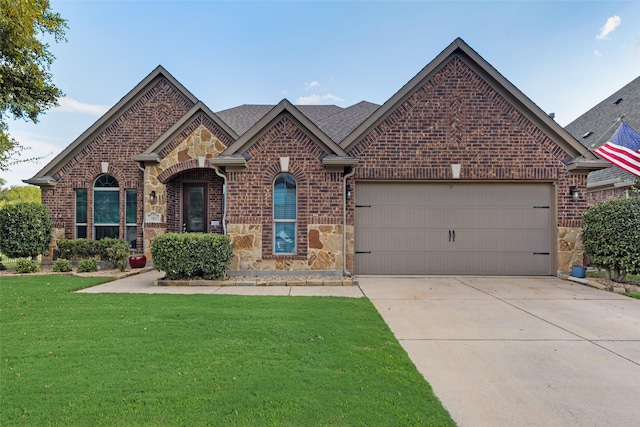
(505,351)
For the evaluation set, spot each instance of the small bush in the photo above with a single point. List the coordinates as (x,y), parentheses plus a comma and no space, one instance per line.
(610,233)
(114,251)
(2,266)
(87,265)
(62,265)
(192,255)
(76,249)
(24,265)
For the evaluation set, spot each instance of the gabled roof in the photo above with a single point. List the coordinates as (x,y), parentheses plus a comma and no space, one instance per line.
(343,122)
(266,121)
(152,153)
(45,176)
(597,126)
(498,82)
(336,122)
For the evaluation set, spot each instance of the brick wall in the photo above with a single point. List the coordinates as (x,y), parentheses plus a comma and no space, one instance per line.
(250,194)
(130,134)
(456,117)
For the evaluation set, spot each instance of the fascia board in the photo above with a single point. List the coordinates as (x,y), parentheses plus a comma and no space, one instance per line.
(588,165)
(114,112)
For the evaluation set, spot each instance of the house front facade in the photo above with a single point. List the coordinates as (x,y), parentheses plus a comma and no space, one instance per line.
(457,173)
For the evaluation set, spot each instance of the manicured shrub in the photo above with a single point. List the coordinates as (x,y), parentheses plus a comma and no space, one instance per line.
(611,237)
(62,265)
(192,255)
(24,265)
(25,230)
(76,249)
(2,266)
(114,251)
(87,265)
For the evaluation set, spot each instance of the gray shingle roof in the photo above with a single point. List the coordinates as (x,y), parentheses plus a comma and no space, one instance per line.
(599,121)
(336,122)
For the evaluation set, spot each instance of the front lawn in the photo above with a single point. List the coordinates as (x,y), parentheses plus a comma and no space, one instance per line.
(115,359)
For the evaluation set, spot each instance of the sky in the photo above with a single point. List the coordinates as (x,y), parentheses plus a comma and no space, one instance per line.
(566,56)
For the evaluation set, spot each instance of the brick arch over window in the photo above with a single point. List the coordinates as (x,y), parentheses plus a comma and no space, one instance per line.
(169,173)
(96,171)
(302,185)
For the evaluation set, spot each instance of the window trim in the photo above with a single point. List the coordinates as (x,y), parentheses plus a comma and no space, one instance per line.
(93,204)
(276,221)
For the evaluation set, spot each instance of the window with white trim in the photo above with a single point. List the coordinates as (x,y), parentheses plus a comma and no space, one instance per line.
(285,215)
(106,208)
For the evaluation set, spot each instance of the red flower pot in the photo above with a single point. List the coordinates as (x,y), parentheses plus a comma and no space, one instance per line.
(137,261)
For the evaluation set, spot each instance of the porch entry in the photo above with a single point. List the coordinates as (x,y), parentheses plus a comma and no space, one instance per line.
(194,207)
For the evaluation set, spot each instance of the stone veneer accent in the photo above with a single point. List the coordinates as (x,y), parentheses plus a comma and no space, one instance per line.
(200,143)
(570,248)
(324,249)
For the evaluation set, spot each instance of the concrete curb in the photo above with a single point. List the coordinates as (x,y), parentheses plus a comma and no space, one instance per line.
(593,284)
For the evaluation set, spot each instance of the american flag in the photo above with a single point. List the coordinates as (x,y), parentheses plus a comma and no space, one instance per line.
(623,150)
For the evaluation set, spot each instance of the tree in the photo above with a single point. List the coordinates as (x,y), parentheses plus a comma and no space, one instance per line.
(19,194)
(26,86)
(25,230)
(611,236)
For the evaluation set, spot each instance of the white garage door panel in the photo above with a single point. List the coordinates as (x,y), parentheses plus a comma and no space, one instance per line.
(408,228)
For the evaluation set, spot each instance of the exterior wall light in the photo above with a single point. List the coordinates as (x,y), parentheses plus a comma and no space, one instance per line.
(348,191)
(575,194)
(152,196)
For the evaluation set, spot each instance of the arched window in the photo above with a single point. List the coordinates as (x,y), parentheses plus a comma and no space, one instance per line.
(285,214)
(106,207)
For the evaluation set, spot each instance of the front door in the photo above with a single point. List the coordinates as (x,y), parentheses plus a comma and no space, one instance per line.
(194,208)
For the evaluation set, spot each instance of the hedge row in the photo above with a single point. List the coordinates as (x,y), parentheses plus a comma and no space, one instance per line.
(192,255)
(113,251)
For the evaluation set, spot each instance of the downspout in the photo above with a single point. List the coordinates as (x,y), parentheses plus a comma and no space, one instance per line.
(143,203)
(344,222)
(224,198)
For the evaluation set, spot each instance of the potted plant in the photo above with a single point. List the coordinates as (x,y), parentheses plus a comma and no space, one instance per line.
(137,261)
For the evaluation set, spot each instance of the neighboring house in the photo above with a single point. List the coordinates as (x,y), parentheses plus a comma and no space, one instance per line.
(457,173)
(595,127)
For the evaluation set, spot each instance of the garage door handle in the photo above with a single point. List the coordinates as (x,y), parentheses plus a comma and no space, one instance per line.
(454,235)
(449,235)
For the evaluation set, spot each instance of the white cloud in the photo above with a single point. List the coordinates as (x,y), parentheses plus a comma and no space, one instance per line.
(311,85)
(611,24)
(73,106)
(316,99)
(597,53)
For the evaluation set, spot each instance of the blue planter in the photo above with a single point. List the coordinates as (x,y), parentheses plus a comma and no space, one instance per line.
(579,271)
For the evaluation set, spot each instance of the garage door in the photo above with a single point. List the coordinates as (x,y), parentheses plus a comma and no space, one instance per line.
(457,228)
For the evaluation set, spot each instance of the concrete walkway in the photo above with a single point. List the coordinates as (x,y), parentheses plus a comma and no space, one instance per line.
(143,284)
(518,351)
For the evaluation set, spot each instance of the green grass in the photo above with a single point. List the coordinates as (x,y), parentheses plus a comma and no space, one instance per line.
(633,294)
(161,360)
(629,278)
